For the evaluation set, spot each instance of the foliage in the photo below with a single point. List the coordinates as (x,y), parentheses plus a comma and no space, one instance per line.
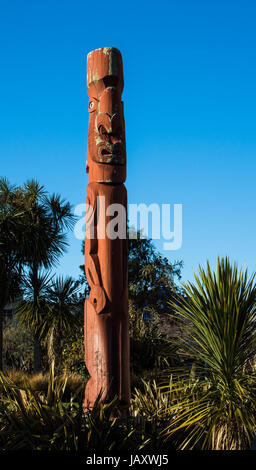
(61,317)
(13,249)
(218,315)
(44,421)
(39,382)
(151,276)
(32,311)
(32,235)
(18,347)
(34,421)
(48,218)
(73,352)
(12,232)
(150,345)
(152,407)
(53,313)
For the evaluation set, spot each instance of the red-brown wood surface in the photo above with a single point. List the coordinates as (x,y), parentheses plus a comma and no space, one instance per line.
(106,310)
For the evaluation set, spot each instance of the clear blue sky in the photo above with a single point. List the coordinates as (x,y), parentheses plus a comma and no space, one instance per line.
(190,110)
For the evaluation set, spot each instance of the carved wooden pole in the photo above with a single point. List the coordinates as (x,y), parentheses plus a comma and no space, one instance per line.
(106,253)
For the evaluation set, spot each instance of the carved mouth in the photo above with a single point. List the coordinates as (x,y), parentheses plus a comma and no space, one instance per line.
(106,153)
(111,154)
(111,157)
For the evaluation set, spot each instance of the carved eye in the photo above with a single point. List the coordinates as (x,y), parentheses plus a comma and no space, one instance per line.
(92,105)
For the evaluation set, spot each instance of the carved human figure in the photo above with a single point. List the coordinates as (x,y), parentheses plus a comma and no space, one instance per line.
(106,309)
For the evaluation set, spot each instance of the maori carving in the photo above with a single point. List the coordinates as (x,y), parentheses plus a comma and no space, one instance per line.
(106,309)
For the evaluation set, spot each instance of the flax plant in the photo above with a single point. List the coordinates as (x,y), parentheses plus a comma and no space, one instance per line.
(216,318)
(33,420)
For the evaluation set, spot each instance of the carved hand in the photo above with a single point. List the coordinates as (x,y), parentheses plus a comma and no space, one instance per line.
(97,298)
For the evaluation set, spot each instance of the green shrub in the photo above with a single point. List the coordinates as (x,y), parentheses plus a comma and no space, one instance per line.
(218,316)
(32,420)
(150,345)
(18,347)
(73,353)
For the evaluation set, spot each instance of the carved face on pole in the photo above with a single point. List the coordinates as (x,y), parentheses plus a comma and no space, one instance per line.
(106,156)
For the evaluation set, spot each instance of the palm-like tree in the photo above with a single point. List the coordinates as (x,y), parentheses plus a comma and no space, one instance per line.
(33,309)
(33,228)
(48,219)
(218,318)
(14,244)
(62,316)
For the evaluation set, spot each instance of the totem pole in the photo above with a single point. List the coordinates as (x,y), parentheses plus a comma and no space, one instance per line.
(106,253)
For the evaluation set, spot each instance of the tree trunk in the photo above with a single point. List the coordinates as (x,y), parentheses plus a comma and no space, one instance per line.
(55,349)
(1,336)
(37,354)
(4,294)
(37,342)
(58,349)
(50,348)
